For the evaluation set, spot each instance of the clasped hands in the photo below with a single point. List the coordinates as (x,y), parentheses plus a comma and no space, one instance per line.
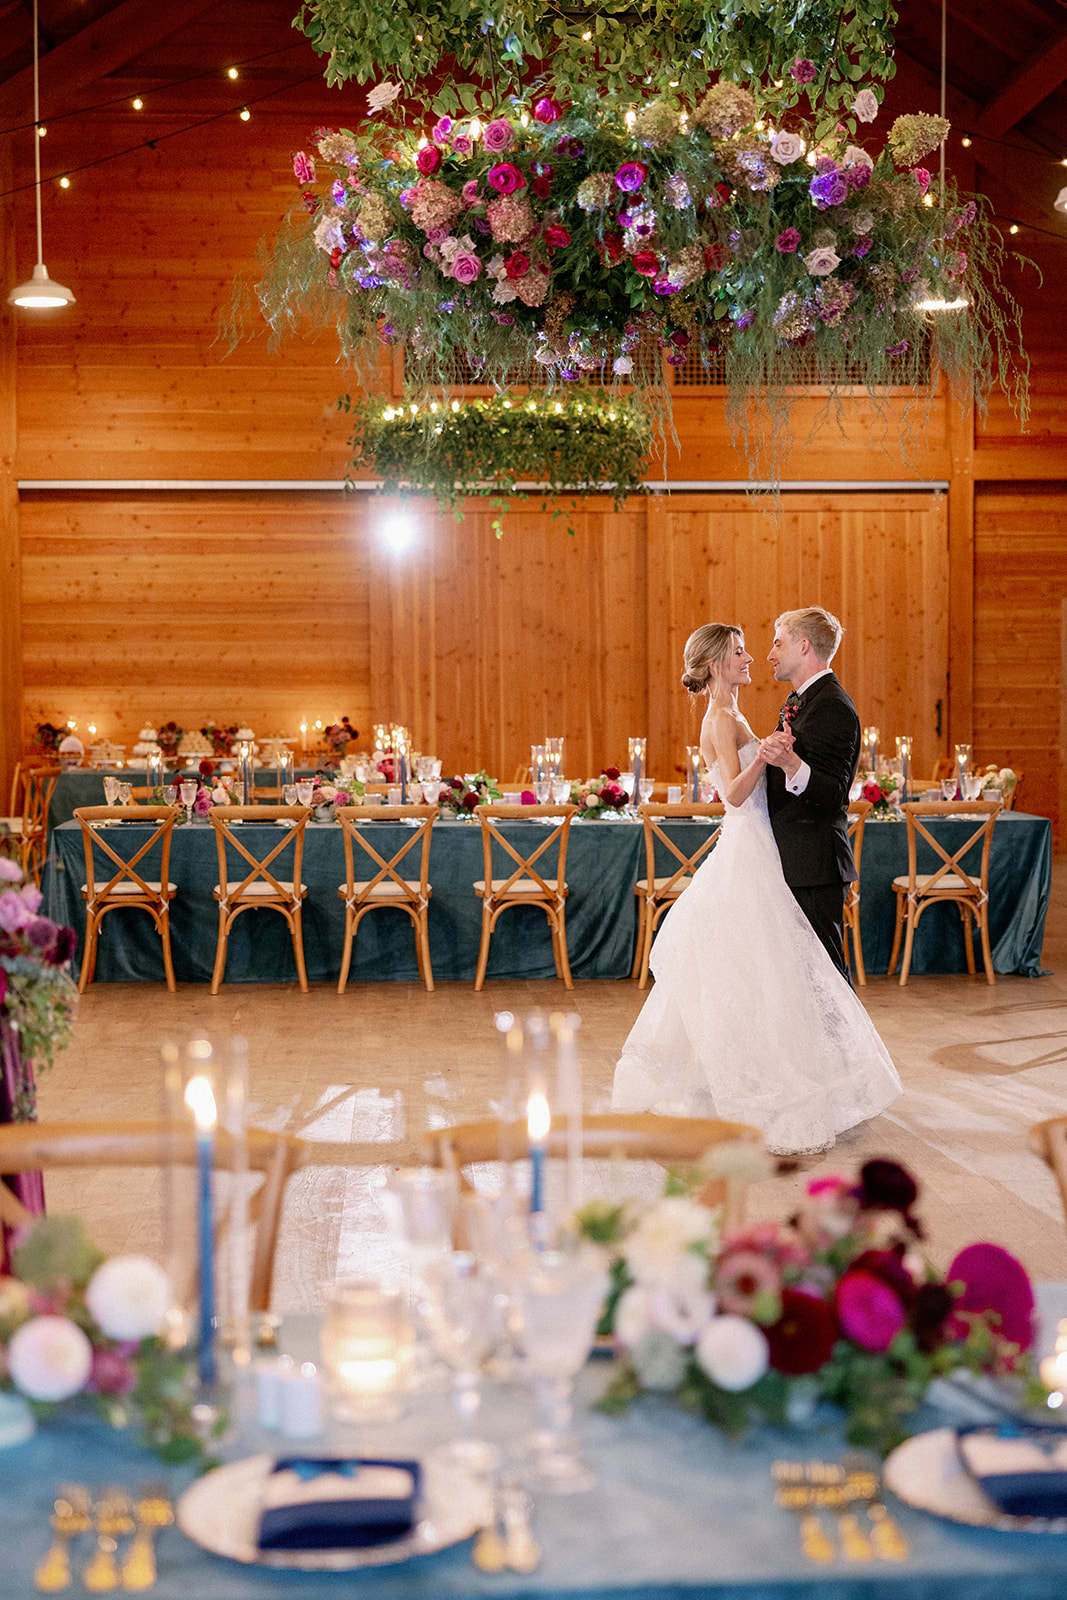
(777,751)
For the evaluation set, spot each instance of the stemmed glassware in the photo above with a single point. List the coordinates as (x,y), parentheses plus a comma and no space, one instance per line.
(304,790)
(645,788)
(187,789)
(460,1311)
(543,790)
(561,1297)
(561,791)
(291,794)
(111,790)
(431,790)
(948,788)
(971,785)
(170,794)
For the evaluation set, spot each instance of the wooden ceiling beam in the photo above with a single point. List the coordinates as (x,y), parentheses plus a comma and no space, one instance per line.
(1033,82)
(83,60)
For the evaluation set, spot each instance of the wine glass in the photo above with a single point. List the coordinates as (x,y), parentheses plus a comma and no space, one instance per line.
(948,788)
(170,794)
(561,1298)
(971,784)
(561,791)
(187,789)
(290,794)
(431,790)
(111,790)
(626,784)
(304,790)
(543,790)
(460,1312)
(645,788)
(125,794)
(419,1204)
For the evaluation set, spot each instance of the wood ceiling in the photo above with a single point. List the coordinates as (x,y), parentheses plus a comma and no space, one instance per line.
(1007,63)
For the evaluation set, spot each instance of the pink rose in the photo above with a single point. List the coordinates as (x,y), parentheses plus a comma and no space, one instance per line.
(342,798)
(303,168)
(547,111)
(469,193)
(498,136)
(506,178)
(922,178)
(442,131)
(870,1312)
(428,160)
(465,266)
(462,145)
(111,1373)
(646,262)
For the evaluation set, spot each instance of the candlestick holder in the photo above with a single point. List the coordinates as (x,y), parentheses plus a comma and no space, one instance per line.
(693,759)
(637,749)
(903,743)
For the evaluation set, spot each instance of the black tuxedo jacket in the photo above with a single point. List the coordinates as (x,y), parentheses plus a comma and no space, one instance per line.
(811,829)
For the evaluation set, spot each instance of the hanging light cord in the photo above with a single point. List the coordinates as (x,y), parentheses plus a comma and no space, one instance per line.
(944,63)
(37,138)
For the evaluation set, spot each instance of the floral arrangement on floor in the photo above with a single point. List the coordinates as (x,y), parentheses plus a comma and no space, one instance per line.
(599,796)
(74,1324)
(37,997)
(837,1304)
(596,239)
(47,738)
(883,791)
(577,444)
(461,796)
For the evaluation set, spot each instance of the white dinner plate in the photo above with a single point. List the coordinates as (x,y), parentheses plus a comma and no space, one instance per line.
(925,1472)
(221,1510)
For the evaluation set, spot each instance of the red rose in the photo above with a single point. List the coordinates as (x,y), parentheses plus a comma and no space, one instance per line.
(547,111)
(872,791)
(714,256)
(680,338)
(540,186)
(646,262)
(613,773)
(613,246)
(517,265)
(506,178)
(471,799)
(556,237)
(428,160)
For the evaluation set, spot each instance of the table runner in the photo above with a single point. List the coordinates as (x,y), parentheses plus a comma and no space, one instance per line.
(603,864)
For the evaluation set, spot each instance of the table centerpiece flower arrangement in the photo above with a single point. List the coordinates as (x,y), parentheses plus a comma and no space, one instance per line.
(74,1325)
(600,797)
(330,795)
(37,995)
(461,796)
(169,737)
(1003,779)
(883,791)
(47,737)
(220,739)
(837,1304)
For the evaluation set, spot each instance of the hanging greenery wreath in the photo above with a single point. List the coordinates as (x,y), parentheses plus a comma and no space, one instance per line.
(581,444)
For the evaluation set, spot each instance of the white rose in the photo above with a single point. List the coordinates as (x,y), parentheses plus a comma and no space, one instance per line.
(733,1352)
(862,222)
(658,1249)
(504,292)
(821,262)
(855,157)
(382,95)
(130,1297)
(622,366)
(324,795)
(328,235)
(787,148)
(49,1358)
(865,105)
(220,796)
(591,800)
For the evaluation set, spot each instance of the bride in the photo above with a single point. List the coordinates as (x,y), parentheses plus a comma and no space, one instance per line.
(749,1018)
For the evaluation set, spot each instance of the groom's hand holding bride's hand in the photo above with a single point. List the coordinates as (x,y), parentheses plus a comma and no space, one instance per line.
(777,751)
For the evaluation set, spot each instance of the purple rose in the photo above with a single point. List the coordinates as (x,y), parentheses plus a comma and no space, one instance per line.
(802,70)
(859,176)
(862,246)
(428,160)
(547,111)
(630,176)
(825,164)
(787,241)
(442,131)
(465,266)
(570,147)
(13,912)
(506,178)
(469,193)
(498,135)
(829,189)
(462,145)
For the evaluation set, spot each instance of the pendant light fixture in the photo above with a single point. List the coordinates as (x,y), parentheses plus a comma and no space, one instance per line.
(961,302)
(41,291)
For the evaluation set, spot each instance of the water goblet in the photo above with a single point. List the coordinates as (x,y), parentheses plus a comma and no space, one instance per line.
(187,789)
(543,790)
(125,794)
(645,788)
(304,790)
(971,784)
(111,790)
(561,1297)
(948,788)
(419,1205)
(170,794)
(290,794)
(460,1312)
(626,784)
(431,790)
(561,791)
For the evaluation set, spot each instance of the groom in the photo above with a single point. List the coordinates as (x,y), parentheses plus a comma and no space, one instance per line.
(812,759)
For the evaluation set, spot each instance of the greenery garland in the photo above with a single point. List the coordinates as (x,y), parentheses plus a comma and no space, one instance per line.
(580,444)
(531,45)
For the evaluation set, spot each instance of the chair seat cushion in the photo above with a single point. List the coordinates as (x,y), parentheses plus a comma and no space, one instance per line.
(949,884)
(12,824)
(386,890)
(521,886)
(260,889)
(127,887)
(641,886)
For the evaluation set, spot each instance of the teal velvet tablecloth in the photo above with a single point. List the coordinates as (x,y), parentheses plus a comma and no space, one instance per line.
(603,864)
(677,1513)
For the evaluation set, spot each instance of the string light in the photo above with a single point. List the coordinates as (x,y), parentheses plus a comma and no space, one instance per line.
(1014,228)
(455,405)
(41,130)
(244,114)
(587,36)
(966,143)
(138,104)
(64,182)
(231,72)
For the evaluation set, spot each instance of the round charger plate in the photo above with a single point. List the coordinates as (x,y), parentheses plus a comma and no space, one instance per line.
(925,1472)
(220,1512)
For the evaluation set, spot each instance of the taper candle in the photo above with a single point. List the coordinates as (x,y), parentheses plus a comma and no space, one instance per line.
(200,1098)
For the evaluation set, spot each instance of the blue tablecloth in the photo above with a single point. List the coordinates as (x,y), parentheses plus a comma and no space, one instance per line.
(678,1513)
(603,864)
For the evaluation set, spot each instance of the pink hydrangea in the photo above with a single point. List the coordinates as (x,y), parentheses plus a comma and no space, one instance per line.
(510,219)
(434,205)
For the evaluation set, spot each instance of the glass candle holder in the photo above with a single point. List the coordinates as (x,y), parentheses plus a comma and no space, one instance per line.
(286,768)
(869,749)
(367,1348)
(692,767)
(903,742)
(963,759)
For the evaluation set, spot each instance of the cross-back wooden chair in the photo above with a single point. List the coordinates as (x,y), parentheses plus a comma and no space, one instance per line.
(655,895)
(944,767)
(527,884)
(37,787)
(118,882)
(951,882)
(387,887)
(630,1136)
(44,1146)
(858,812)
(13,821)
(260,887)
(1011,799)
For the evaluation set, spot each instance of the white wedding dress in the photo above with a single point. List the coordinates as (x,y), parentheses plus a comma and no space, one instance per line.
(749,1018)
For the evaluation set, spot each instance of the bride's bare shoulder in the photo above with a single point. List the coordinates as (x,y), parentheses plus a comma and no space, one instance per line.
(727,730)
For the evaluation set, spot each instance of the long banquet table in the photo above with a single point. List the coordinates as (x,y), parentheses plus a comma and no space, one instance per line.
(84,786)
(603,864)
(677,1513)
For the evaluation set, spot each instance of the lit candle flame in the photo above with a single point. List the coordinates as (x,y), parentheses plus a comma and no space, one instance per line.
(200,1098)
(538,1117)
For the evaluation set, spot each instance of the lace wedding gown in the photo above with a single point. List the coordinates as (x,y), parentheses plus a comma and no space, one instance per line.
(749,1018)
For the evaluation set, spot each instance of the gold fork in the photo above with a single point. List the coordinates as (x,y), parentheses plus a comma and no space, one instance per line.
(793,1494)
(111,1521)
(70,1517)
(154,1511)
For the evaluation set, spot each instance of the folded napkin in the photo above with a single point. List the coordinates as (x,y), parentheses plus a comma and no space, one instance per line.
(1021,1467)
(326,1503)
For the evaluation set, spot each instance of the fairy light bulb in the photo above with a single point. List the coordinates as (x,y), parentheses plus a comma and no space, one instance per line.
(138,104)
(64,182)
(475,129)
(966,143)
(559,408)
(244,114)
(524,121)
(587,35)
(455,405)
(231,72)
(630,118)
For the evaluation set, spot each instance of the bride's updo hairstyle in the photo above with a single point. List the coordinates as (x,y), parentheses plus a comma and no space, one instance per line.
(705,652)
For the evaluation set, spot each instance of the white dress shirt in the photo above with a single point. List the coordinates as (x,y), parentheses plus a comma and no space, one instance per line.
(799,781)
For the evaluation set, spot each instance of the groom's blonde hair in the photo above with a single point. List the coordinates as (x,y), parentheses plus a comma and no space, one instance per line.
(821,629)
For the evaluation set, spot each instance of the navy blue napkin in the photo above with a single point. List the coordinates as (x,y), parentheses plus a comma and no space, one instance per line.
(1021,1467)
(336,1521)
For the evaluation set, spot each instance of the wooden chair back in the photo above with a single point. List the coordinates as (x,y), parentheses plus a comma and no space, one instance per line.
(15,804)
(387,874)
(38,786)
(633,1136)
(549,883)
(653,816)
(222,819)
(43,1146)
(125,882)
(975,887)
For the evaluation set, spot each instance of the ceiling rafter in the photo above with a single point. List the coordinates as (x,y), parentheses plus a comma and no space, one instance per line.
(1033,82)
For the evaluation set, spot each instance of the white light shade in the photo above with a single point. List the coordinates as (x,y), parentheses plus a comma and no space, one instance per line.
(40,291)
(1060,202)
